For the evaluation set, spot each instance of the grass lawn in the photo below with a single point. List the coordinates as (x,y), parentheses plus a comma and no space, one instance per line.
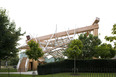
(6,70)
(65,75)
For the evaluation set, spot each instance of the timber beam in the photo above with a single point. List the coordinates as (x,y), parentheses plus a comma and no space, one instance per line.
(71,32)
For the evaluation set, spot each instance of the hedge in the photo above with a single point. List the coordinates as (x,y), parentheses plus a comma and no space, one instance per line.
(96,65)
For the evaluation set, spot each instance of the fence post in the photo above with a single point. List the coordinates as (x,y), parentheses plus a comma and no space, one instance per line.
(8,72)
(33,74)
(20,71)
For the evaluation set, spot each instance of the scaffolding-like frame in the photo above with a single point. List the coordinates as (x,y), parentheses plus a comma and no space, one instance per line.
(55,44)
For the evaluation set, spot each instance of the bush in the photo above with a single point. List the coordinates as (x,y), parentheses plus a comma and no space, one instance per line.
(82,65)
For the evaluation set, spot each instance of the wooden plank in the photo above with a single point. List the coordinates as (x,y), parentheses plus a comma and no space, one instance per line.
(24,47)
(96,21)
(61,34)
(71,32)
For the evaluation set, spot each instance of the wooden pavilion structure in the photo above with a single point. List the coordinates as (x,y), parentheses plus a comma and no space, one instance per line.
(55,44)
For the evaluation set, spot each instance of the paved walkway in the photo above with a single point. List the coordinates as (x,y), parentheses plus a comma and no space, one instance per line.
(26,73)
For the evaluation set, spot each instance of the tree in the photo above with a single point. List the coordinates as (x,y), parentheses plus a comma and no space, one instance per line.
(89,43)
(105,51)
(74,49)
(112,38)
(9,36)
(35,51)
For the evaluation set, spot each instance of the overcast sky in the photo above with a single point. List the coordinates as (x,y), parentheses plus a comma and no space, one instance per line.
(39,17)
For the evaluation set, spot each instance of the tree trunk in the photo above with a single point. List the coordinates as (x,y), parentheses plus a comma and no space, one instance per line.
(74,64)
(32,64)
(33,73)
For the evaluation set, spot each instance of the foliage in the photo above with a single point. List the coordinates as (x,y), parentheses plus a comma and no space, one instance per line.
(112,38)
(89,43)
(34,52)
(10,62)
(105,51)
(8,70)
(14,61)
(59,59)
(74,49)
(9,36)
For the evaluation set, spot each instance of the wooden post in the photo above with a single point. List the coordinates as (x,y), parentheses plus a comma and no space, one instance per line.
(88,32)
(95,32)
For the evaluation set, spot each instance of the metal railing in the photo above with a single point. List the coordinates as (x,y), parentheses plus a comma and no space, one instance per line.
(9,73)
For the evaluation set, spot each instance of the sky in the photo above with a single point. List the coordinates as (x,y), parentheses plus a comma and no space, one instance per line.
(39,17)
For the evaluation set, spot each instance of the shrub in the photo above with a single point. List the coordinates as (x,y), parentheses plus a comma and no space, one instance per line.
(98,65)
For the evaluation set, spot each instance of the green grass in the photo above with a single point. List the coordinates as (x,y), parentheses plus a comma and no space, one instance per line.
(64,75)
(6,70)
